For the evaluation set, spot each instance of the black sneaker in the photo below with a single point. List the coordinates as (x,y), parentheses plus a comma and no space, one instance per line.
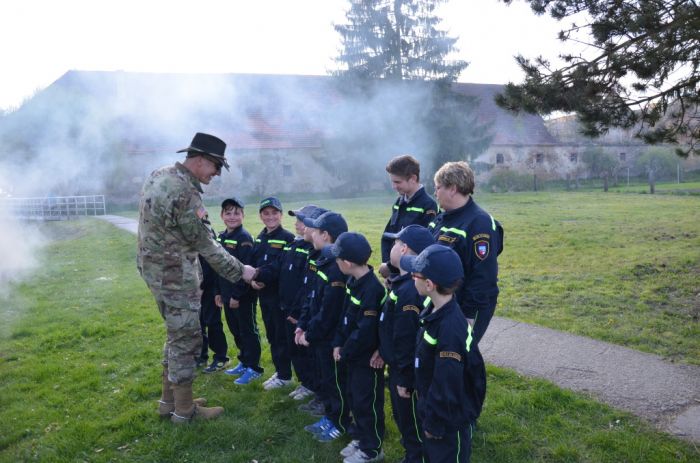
(200,362)
(215,366)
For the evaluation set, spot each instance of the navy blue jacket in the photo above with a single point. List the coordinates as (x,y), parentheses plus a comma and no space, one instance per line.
(398,325)
(239,244)
(307,290)
(478,239)
(288,270)
(450,373)
(358,331)
(419,210)
(325,304)
(269,248)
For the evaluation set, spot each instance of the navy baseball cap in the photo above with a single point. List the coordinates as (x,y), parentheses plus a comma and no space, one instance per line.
(233,201)
(304,211)
(329,221)
(416,237)
(271,202)
(349,246)
(438,263)
(314,214)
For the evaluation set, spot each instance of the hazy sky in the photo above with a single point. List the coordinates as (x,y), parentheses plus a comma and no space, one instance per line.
(42,39)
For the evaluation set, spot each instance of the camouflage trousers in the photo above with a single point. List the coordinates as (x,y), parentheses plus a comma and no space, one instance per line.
(183,342)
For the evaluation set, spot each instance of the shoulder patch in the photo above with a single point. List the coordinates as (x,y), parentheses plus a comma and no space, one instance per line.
(430,212)
(201,212)
(481,249)
(483,236)
(447,239)
(370,313)
(247,243)
(411,308)
(338,284)
(450,355)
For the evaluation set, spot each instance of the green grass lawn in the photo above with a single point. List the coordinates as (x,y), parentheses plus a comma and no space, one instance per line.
(80,372)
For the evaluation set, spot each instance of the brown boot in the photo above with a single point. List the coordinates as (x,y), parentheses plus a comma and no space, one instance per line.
(166,404)
(186,409)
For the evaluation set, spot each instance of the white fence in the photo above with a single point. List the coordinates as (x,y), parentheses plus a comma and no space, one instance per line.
(53,208)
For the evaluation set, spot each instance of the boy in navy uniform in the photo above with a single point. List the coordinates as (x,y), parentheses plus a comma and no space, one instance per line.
(355,342)
(398,326)
(449,369)
(238,299)
(289,270)
(476,237)
(269,247)
(318,328)
(413,206)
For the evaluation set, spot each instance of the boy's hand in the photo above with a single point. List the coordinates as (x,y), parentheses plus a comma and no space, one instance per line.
(302,340)
(292,320)
(217,300)
(336,354)
(403,392)
(257,285)
(376,361)
(430,436)
(234,304)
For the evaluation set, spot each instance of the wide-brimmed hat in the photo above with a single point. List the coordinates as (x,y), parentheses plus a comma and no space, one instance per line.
(208,145)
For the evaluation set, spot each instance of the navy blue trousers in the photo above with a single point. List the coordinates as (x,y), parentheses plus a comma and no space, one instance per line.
(332,381)
(276,332)
(213,336)
(366,393)
(454,447)
(244,328)
(483,318)
(405,415)
(302,358)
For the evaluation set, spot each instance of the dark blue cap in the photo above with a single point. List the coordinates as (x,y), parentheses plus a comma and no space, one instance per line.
(349,246)
(270,202)
(304,211)
(233,201)
(438,263)
(315,213)
(329,221)
(416,237)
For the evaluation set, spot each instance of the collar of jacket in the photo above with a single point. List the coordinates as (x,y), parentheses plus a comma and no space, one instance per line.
(189,176)
(442,311)
(353,283)
(400,279)
(470,205)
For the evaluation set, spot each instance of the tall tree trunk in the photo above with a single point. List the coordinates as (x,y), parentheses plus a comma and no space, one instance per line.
(652,182)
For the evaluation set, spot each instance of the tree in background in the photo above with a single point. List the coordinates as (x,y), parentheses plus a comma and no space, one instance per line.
(399,40)
(600,163)
(644,74)
(656,162)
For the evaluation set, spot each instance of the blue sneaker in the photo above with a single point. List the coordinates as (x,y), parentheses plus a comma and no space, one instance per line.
(319,426)
(237,370)
(249,376)
(330,434)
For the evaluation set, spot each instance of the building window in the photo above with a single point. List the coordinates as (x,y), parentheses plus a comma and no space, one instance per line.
(287,170)
(539,158)
(573,157)
(623,157)
(499,158)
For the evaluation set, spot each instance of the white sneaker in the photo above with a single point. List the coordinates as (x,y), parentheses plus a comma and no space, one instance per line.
(271,378)
(361,457)
(351,448)
(276,382)
(303,393)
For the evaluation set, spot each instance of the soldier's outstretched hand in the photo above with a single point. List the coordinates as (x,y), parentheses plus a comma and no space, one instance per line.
(249,273)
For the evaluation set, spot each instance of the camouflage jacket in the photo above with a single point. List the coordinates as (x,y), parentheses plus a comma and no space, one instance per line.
(172,230)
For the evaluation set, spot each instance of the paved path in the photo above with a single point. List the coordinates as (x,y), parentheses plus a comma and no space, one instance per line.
(666,394)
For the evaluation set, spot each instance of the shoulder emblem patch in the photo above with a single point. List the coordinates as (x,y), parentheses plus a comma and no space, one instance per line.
(370,313)
(483,236)
(201,212)
(447,239)
(481,249)
(247,243)
(338,284)
(430,212)
(450,355)
(411,308)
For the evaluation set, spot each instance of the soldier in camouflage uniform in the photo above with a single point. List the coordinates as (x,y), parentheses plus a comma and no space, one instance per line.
(173,230)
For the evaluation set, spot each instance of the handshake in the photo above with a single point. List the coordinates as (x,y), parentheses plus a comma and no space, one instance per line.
(249,275)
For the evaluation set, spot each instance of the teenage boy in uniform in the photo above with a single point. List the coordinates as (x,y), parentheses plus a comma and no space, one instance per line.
(413,206)
(449,369)
(355,342)
(238,299)
(398,326)
(269,247)
(325,306)
(476,237)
